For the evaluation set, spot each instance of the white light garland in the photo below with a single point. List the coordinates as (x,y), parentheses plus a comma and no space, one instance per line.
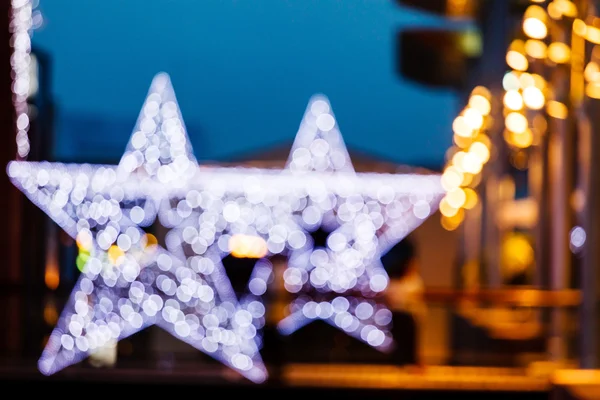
(21,24)
(127,284)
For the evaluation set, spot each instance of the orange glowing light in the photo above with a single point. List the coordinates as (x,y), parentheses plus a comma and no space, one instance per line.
(247,246)
(151,240)
(115,255)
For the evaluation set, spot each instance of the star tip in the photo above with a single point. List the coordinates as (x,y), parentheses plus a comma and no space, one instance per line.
(319,96)
(161,81)
(162,75)
(44,367)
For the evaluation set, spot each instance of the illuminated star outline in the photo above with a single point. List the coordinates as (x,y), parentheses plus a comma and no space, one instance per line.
(103,208)
(318,188)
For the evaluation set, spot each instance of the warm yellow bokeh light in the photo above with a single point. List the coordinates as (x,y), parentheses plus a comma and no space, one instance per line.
(84,240)
(480,103)
(566,8)
(538,81)
(481,91)
(557,109)
(517,254)
(592,90)
(481,151)
(473,118)
(451,178)
(534,28)
(461,127)
(467,179)
(471,163)
(592,72)
(517,60)
(535,48)
(534,22)
(247,246)
(471,198)
(559,53)
(115,255)
(534,98)
(461,142)
(452,222)
(457,160)
(515,122)
(522,140)
(526,80)
(446,209)
(513,100)
(553,11)
(510,81)
(456,198)
(592,34)
(580,27)
(150,240)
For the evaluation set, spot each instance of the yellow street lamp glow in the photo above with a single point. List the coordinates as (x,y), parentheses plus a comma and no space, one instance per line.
(515,122)
(536,49)
(534,98)
(559,53)
(534,22)
(513,100)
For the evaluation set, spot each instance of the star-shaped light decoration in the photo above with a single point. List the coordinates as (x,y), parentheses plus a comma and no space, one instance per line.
(129,282)
(272,212)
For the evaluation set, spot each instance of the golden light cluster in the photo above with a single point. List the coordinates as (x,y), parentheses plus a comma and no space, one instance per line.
(592,70)
(466,158)
(527,94)
(523,92)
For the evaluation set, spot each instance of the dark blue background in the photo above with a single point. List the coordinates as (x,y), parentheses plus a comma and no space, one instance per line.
(243,71)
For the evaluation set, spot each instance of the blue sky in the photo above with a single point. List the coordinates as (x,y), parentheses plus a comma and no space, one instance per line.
(243,71)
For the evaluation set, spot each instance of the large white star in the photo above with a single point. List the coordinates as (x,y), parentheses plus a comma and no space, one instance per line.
(129,283)
(365,213)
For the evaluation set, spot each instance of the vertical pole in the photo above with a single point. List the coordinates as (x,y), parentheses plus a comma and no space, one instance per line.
(589,161)
(561,163)
(495,23)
